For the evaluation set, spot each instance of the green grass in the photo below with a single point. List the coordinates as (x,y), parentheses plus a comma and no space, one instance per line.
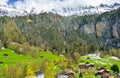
(107,61)
(50,56)
(14,58)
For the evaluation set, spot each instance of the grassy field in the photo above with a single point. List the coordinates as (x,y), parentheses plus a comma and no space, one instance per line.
(107,61)
(14,58)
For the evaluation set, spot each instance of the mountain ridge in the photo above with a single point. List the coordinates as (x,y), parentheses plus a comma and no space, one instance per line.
(65,11)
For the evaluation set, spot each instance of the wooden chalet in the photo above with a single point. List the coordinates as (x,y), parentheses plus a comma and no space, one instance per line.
(1,62)
(39,74)
(103,72)
(62,75)
(68,69)
(5,55)
(83,68)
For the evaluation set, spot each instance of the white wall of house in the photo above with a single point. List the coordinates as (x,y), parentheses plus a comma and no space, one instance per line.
(62,76)
(40,76)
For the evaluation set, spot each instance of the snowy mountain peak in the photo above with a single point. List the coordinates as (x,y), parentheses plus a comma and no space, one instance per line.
(9,11)
(86,10)
(64,11)
(116,4)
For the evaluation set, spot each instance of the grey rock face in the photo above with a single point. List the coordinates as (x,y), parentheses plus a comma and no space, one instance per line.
(109,32)
(88,28)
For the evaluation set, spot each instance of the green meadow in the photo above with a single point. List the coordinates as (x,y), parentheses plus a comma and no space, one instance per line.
(13,59)
(24,60)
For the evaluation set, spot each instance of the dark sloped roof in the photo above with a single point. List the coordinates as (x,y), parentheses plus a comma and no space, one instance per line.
(62,73)
(38,73)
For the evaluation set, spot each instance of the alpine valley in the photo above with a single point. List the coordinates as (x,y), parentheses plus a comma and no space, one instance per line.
(66,42)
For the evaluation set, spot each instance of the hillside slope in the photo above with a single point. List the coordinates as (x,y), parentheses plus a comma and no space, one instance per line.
(63,35)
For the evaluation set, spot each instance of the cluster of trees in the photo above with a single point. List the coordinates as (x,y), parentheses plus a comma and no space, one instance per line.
(61,35)
(14,71)
(21,70)
(46,31)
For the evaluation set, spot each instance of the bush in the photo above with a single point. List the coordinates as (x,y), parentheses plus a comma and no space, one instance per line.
(115,68)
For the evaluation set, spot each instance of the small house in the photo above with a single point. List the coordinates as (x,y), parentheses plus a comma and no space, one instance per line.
(68,69)
(101,68)
(82,68)
(39,74)
(5,55)
(71,74)
(85,66)
(62,75)
(89,65)
(107,72)
(1,62)
(103,72)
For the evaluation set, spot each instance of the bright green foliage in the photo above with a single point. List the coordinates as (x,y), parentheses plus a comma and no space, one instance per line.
(23,65)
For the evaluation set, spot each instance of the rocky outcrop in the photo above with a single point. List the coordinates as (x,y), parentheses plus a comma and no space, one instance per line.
(100,26)
(105,29)
(88,28)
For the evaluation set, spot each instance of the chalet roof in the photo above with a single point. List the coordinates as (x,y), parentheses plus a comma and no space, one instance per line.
(101,70)
(62,73)
(82,65)
(104,70)
(38,73)
(87,64)
(71,72)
